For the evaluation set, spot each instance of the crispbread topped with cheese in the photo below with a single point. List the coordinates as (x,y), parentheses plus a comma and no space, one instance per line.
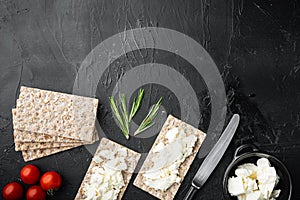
(106,161)
(55,113)
(192,136)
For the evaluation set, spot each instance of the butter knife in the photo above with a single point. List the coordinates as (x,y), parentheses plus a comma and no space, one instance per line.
(213,158)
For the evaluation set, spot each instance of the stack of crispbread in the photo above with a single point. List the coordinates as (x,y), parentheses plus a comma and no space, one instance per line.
(47,122)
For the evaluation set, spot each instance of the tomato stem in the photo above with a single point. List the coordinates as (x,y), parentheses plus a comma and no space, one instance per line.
(50,192)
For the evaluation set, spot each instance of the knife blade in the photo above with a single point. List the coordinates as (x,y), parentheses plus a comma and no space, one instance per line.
(213,158)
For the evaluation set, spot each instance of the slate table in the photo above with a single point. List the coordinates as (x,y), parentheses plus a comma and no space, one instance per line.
(255,45)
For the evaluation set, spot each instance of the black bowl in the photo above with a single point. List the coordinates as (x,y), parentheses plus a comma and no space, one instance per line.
(285,182)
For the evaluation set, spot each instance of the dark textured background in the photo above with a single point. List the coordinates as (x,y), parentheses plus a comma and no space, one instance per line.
(255,45)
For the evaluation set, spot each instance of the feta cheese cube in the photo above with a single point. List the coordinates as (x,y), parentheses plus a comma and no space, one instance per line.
(250,184)
(256,195)
(275,193)
(236,186)
(263,162)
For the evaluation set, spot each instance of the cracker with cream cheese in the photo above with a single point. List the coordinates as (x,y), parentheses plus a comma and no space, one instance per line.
(170,125)
(104,159)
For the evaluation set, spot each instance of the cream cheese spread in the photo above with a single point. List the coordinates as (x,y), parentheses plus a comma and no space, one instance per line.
(167,159)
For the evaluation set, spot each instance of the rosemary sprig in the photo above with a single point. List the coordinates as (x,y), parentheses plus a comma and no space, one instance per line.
(119,119)
(136,104)
(122,118)
(148,121)
(124,112)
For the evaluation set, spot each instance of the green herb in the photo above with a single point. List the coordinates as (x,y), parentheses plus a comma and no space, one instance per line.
(136,104)
(122,118)
(119,119)
(148,121)
(124,112)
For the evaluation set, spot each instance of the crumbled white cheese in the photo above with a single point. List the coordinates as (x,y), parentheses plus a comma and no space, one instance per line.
(241,197)
(105,184)
(107,154)
(106,181)
(275,193)
(255,195)
(160,146)
(98,159)
(249,184)
(254,182)
(246,170)
(172,134)
(121,152)
(263,162)
(116,164)
(235,186)
(168,158)
(266,177)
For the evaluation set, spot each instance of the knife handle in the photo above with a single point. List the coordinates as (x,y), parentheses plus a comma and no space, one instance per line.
(190,194)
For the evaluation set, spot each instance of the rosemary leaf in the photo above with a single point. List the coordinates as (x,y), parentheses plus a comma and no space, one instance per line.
(148,121)
(136,104)
(120,122)
(124,112)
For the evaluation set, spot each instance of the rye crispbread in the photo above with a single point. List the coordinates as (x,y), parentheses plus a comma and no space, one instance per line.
(29,155)
(54,113)
(26,136)
(43,145)
(131,161)
(170,123)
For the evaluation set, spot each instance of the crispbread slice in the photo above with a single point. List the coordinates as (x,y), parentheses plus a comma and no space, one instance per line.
(39,153)
(21,146)
(55,113)
(32,154)
(44,145)
(98,161)
(26,136)
(170,123)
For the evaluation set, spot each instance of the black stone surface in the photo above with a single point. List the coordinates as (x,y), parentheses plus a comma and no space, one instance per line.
(255,45)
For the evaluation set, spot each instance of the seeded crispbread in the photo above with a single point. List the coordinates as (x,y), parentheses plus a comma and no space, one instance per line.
(98,161)
(20,146)
(44,145)
(39,153)
(32,154)
(29,137)
(170,123)
(55,113)
(26,136)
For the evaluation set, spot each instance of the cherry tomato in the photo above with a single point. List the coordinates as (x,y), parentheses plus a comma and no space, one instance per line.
(12,191)
(35,192)
(50,181)
(30,174)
